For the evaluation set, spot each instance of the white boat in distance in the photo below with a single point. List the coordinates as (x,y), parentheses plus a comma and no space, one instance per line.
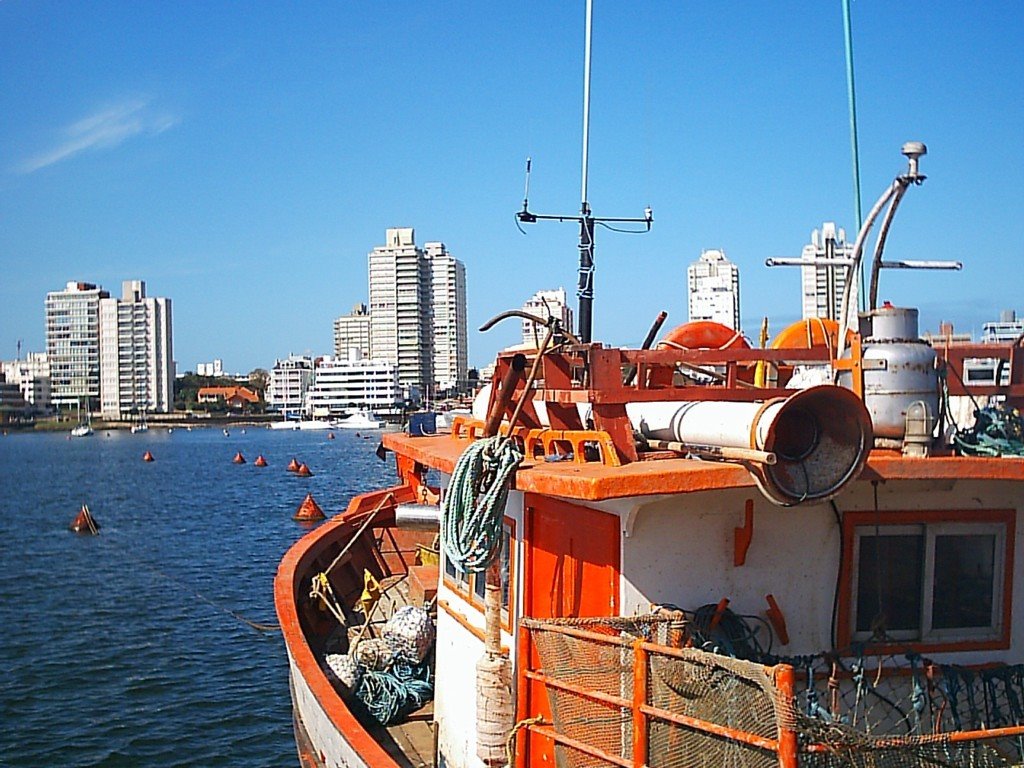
(315,424)
(360,420)
(82,430)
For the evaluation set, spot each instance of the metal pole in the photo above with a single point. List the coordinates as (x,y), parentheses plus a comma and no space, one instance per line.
(585,284)
(852,95)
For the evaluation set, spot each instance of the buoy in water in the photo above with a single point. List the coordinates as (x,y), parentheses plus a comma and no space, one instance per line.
(84,522)
(303,471)
(239,458)
(147,456)
(293,465)
(309,509)
(260,461)
(330,435)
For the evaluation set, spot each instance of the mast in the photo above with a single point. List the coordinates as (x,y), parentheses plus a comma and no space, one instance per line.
(854,145)
(586,219)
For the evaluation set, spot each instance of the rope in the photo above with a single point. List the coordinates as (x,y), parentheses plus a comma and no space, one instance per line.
(510,743)
(474,505)
(390,695)
(997,431)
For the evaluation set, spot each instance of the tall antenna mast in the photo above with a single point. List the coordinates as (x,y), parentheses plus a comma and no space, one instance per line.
(851,92)
(585,284)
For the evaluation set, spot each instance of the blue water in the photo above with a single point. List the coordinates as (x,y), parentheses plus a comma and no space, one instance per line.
(111,653)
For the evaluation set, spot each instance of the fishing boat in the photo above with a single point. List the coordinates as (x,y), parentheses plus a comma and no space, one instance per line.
(683,554)
(691,556)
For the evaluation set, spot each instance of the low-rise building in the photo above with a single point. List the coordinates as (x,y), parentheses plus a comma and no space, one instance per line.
(32,376)
(235,398)
(345,386)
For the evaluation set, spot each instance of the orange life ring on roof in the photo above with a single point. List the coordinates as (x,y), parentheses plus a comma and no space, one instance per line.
(703,334)
(696,334)
(808,334)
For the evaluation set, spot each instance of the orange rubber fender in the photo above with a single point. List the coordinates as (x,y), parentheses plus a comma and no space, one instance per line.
(703,334)
(808,334)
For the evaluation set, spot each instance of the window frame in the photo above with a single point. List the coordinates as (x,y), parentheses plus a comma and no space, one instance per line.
(465,584)
(930,524)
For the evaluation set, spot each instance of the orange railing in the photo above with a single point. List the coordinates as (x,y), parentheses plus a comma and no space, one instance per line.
(611,721)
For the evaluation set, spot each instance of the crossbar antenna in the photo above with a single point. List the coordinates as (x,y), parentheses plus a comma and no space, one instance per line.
(585,218)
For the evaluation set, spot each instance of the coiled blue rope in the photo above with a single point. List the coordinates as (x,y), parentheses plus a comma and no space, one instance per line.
(390,695)
(474,506)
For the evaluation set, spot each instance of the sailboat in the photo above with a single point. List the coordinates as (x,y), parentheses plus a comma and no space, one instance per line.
(84,428)
(139,423)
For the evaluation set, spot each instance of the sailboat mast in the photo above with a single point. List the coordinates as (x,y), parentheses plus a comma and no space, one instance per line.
(854,144)
(585,284)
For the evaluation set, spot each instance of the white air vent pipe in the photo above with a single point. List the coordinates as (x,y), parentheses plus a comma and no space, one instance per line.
(821,437)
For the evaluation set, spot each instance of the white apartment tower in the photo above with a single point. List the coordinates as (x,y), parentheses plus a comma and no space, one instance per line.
(136,356)
(545,304)
(448,312)
(823,283)
(73,343)
(713,287)
(352,332)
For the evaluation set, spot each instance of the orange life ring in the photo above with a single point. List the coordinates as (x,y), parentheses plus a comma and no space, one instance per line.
(703,334)
(696,334)
(808,334)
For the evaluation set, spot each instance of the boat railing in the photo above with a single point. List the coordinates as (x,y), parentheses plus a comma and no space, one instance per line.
(619,692)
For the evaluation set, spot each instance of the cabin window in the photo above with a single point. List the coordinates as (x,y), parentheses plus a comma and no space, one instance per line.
(930,581)
(473,586)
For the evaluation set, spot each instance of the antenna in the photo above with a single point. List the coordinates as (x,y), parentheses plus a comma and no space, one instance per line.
(585,284)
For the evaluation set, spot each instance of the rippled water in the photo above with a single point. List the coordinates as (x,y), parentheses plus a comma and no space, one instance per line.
(111,653)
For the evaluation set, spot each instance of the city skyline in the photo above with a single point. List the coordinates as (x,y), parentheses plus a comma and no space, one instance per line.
(245,163)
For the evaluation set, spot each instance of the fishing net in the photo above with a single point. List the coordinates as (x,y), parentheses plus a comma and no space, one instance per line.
(706,710)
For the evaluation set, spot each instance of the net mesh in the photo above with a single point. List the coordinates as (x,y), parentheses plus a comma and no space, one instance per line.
(888,712)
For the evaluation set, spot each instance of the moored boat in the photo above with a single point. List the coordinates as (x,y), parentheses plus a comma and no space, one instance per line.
(360,420)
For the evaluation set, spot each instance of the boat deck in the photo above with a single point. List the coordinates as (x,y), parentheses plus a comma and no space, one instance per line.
(596,482)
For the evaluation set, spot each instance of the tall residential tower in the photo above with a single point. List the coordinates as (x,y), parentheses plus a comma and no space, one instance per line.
(713,288)
(73,343)
(136,356)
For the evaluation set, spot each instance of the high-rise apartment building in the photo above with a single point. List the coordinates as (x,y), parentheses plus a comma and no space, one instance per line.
(73,343)
(352,331)
(822,282)
(713,289)
(400,322)
(136,356)
(448,313)
(290,379)
(418,313)
(545,304)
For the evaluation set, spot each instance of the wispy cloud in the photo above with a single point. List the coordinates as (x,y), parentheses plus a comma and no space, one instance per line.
(104,129)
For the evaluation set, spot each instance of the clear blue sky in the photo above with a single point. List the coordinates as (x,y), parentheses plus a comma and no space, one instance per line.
(243,158)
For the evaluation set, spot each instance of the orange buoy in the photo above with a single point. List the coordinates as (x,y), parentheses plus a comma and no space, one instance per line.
(293,465)
(309,509)
(260,461)
(810,333)
(703,334)
(147,456)
(84,522)
(330,435)
(239,458)
(303,471)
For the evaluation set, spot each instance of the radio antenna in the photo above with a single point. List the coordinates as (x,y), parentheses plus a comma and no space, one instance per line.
(586,219)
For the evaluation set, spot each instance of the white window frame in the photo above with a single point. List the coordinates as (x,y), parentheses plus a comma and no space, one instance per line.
(926,633)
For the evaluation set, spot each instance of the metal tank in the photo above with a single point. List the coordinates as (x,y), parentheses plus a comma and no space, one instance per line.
(899,369)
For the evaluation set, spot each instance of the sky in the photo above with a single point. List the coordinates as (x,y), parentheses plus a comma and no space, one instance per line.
(244,158)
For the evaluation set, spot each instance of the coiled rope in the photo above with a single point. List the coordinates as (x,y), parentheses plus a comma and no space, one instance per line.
(390,695)
(474,506)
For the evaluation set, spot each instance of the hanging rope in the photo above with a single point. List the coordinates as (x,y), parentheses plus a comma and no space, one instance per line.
(474,506)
